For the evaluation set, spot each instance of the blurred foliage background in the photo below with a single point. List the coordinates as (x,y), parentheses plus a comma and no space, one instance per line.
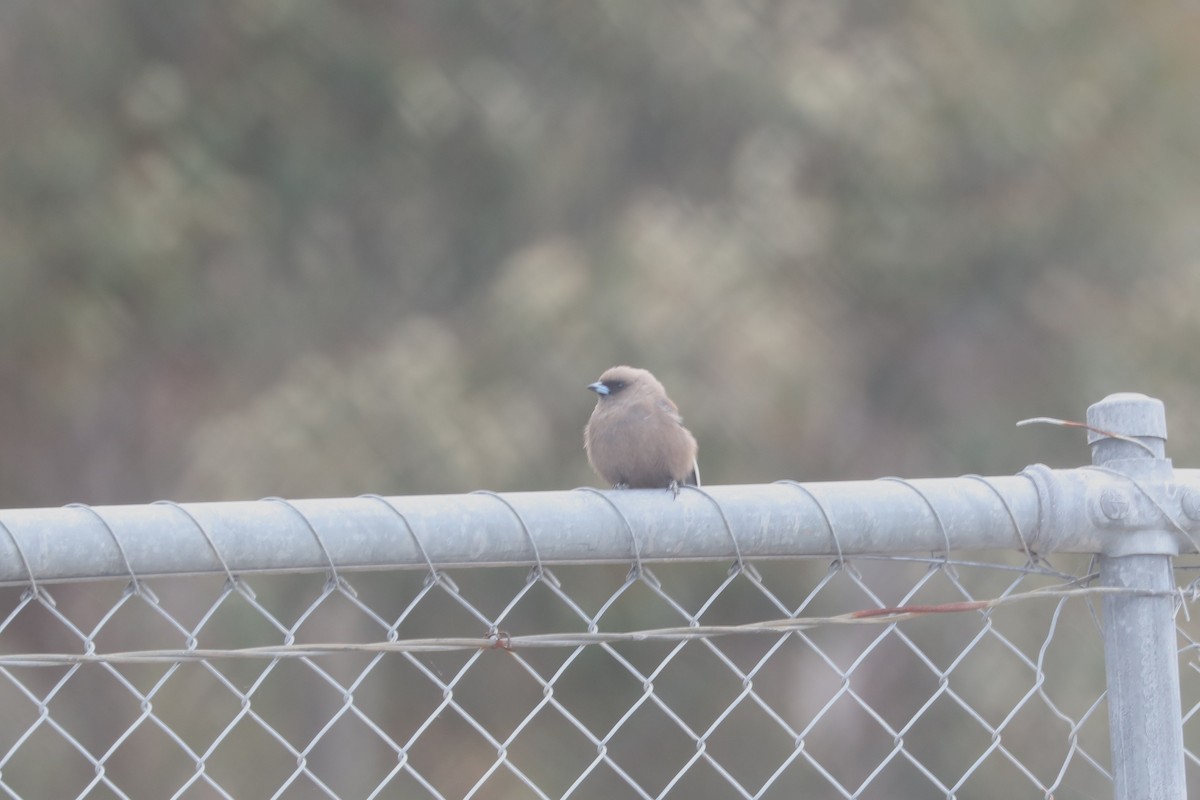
(307,248)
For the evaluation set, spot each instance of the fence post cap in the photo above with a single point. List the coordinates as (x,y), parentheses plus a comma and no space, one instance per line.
(1129,414)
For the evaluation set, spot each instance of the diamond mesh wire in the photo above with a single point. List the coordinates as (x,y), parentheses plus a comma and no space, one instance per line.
(426,684)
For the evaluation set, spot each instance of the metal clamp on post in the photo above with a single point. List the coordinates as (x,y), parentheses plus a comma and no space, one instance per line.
(1141,507)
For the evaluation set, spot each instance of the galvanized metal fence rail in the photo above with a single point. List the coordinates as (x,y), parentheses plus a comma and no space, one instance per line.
(817,640)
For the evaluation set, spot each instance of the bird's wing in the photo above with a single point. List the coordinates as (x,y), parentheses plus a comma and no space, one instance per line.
(665,404)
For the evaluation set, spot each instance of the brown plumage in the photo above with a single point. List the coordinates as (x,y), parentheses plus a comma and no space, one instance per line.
(635,438)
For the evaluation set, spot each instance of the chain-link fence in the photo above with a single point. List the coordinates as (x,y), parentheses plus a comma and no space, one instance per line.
(261,649)
(400,684)
(299,247)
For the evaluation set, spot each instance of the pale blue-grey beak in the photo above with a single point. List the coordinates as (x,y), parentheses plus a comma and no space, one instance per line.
(598,388)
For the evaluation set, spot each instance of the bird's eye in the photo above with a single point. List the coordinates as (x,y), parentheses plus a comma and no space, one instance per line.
(618,385)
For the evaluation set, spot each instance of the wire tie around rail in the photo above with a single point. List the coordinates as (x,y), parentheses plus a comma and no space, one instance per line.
(435,576)
(841,559)
(35,589)
(740,565)
(135,584)
(234,583)
(335,580)
(932,510)
(1030,556)
(637,570)
(539,570)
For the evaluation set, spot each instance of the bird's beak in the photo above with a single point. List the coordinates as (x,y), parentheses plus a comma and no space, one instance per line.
(598,388)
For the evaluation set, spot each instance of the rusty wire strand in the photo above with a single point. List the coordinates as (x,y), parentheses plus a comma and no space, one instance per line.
(509,641)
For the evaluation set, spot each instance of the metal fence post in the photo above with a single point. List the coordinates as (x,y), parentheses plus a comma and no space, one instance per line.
(1140,650)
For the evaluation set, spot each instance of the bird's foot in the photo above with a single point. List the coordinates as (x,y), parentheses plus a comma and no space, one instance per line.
(674,487)
(621,485)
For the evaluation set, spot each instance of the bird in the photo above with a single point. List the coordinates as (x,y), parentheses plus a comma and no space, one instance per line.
(635,438)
